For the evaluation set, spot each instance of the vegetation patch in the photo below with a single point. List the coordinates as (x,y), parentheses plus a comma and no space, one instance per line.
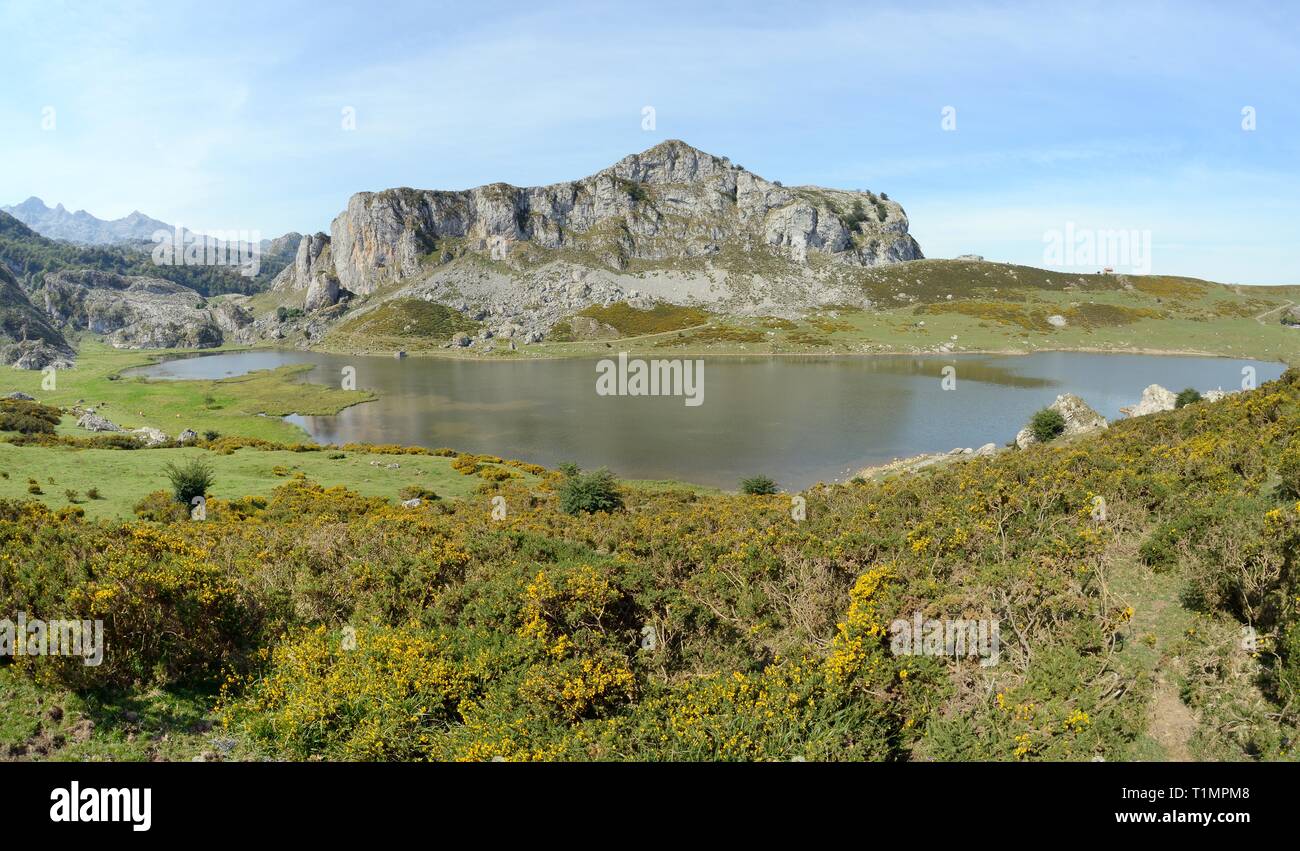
(632,322)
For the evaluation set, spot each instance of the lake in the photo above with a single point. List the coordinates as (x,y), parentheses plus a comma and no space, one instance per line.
(799,420)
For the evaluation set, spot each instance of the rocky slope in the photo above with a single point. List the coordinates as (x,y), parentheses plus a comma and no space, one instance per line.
(135,312)
(28,340)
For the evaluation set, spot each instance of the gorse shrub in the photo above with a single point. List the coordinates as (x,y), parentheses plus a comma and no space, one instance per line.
(189,480)
(590,492)
(1046,424)
(1187,396)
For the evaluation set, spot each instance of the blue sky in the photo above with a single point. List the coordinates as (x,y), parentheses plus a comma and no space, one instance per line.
(1110,116)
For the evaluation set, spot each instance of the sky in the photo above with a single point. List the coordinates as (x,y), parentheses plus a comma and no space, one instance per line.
(995,125)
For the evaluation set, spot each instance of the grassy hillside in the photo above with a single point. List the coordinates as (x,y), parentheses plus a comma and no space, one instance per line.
(948,305)
(325,623)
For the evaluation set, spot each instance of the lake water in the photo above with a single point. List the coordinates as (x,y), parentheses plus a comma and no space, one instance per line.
(799,420)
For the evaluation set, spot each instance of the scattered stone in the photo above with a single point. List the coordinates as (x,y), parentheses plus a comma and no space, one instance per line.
(20,396)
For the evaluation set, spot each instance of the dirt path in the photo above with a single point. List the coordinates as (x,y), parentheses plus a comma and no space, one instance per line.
(1172,722)
(1260,318)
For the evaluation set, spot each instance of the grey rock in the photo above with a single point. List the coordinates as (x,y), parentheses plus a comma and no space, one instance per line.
(1079,419)
(188,436)
(150,436)
(1154,400)
(91,421)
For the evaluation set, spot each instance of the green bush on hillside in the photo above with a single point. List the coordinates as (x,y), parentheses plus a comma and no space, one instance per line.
(1046,425)
(758,486)
(589,492)
(189,480)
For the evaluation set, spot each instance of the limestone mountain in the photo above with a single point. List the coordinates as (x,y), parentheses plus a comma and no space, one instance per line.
(672,202)
(706,231)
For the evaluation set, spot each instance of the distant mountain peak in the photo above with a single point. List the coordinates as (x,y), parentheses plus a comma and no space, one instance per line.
(83,227)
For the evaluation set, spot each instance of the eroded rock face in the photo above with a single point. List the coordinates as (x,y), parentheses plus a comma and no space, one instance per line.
(28,339)
(313,271)
(1079,419)
(131,312)
(670,202)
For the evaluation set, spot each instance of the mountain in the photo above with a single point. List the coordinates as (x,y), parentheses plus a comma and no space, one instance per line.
(57,223)
(671,202)
(710,231)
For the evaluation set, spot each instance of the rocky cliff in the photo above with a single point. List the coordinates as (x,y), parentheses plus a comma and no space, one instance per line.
(671,202)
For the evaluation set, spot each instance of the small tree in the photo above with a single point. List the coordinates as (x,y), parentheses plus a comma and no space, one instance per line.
(1046,424)
(758,486)
(1187,397)
(189,480)
(589,492)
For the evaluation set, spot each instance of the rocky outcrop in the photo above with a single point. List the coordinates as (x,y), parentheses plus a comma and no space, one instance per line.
(1154,400)
(313,271)
(1079,419)
(92,421)
(671,202)
(28,340)
(132,312)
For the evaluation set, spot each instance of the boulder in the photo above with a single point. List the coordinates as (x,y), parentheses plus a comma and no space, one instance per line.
(91,421)
(150,436)
(20,396)
(460,340)
(187,436)
(986,450)
(1154,400)
(1079,419)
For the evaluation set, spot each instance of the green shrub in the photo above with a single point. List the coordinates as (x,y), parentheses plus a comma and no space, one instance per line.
(590,492)
(758,486)
(1046,425)
(189,480)
(1188,396)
